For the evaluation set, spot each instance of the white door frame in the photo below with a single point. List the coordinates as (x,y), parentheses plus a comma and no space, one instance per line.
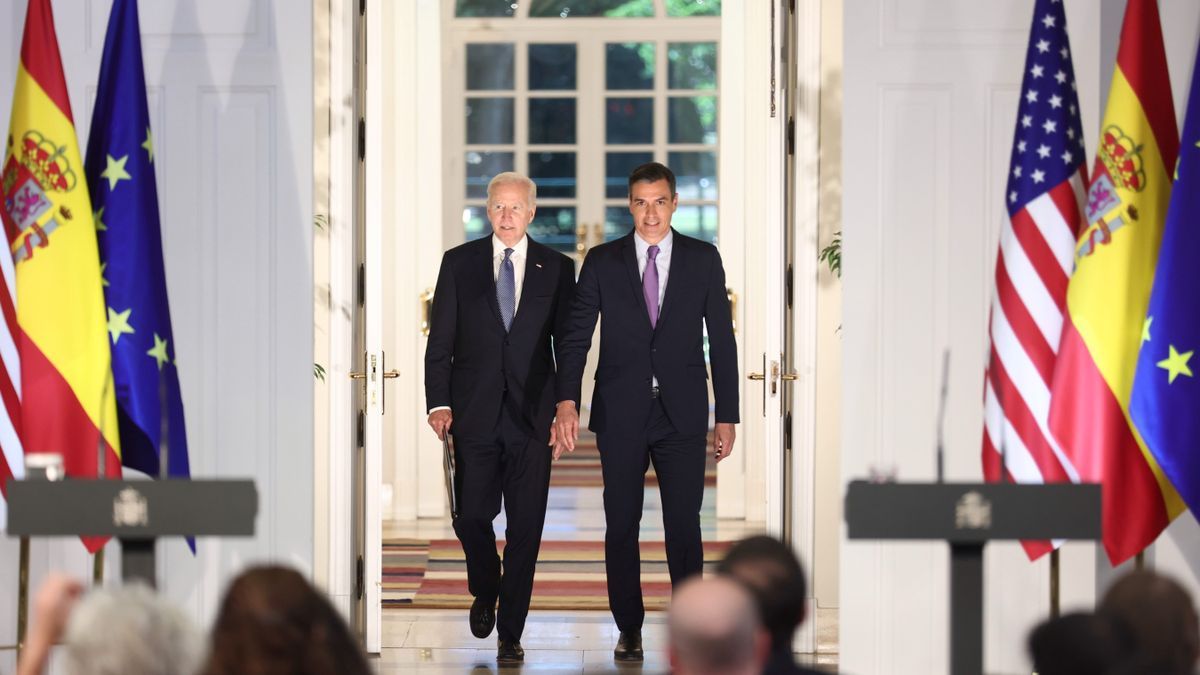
(335,541)
(745,86)
(805,98)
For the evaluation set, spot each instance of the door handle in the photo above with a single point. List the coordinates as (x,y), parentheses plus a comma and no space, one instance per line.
(360,375)
(374,365)
(762,377)
(789,377)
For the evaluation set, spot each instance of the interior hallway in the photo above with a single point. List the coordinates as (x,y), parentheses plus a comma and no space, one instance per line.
(439,641)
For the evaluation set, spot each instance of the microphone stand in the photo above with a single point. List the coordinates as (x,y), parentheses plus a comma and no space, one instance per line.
(941,424)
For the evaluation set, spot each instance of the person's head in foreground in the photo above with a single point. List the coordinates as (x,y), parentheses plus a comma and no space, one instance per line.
(273,621)
(1161,618)
(1081,644)
(130,630)
(771,571)
(714,629)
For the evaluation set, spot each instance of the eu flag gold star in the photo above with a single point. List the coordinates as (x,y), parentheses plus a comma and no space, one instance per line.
(1176,364)
(1146,328)
(159,351)
(148,144)
(103,268)
(115,171)
(98,218)
(118,323)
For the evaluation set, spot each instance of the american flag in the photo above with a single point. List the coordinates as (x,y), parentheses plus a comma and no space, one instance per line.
(12,464)
(1047,182)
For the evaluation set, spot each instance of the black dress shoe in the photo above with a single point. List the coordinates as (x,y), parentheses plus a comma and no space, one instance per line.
(629,646)
(510,651)
(483,617)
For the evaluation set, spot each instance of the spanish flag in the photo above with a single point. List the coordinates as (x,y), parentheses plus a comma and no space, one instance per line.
(68,405)
(1110,290)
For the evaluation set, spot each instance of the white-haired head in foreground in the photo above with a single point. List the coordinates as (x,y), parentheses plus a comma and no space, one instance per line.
(130,630)
(714,629)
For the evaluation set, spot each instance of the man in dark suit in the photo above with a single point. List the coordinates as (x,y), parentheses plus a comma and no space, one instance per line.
(489,381)
(657,290)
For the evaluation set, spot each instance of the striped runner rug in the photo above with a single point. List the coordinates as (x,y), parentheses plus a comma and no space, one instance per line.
(570,574)
(581,468)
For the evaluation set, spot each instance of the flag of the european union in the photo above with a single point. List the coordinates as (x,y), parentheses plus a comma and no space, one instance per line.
(1165,405)
(120,173)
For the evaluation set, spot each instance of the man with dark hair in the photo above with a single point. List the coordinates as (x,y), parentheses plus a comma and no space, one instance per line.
(658,290)
(772,573)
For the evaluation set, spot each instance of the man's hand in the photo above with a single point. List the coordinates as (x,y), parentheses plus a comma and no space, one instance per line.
(723,435)
(440,421)
(556,447)
(565,429)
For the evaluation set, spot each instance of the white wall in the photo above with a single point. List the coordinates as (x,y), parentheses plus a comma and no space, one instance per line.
(410,138)
(827,465)
(930,95)
(930,99)
(231,106)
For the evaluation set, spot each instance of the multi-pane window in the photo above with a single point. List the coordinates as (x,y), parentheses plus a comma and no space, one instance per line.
(575,93)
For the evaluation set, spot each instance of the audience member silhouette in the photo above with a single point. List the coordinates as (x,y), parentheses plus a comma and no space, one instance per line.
(274,622)
(1081,643)
(774,576)
(1160,616)
(714,629)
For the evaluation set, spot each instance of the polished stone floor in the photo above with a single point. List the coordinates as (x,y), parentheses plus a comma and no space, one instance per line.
(439,641)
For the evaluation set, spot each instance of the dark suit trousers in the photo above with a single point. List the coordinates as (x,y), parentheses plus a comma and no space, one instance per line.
(625,454)
(507,463)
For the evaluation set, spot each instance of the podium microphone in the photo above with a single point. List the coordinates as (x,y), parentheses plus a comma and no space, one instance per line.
(941,452)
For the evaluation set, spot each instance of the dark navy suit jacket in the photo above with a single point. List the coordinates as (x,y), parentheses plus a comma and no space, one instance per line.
(631,352)
(471,363)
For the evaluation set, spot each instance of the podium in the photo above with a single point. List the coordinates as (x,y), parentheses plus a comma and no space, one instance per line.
(967,516)
(135,512)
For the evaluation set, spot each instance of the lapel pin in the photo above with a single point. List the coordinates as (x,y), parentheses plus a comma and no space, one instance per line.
(538,265)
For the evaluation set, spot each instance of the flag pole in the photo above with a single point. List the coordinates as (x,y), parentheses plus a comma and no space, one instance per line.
(1054,584)
(98,567)
(22,596)
(102,466)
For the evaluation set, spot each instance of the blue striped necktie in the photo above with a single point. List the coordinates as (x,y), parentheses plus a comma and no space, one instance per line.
(506,289)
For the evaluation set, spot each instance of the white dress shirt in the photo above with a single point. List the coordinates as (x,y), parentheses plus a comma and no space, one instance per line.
(518,260)
(662,262)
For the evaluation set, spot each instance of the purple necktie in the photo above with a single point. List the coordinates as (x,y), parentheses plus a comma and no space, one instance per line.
(650,285)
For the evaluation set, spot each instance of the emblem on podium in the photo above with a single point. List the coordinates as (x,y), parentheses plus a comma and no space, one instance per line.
(130,509)
(973,512)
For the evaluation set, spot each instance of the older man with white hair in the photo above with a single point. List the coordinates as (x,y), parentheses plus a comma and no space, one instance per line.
(714,629)
(498,312)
